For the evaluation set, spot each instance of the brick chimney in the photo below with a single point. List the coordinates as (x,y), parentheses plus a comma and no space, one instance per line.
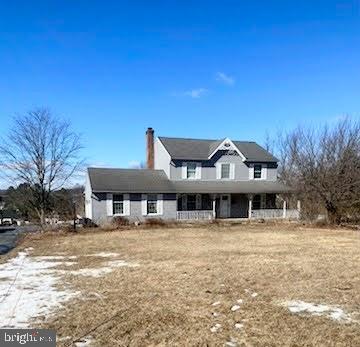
(150,148)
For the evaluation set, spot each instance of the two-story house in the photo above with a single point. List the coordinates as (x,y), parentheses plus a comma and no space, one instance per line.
(189,179)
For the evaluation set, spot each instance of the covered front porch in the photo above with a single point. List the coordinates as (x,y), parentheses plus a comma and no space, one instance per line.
(228,205)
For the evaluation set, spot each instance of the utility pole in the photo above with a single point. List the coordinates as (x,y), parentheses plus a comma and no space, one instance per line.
(74,215)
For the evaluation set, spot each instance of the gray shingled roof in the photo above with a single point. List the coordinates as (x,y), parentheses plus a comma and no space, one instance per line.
(197,149)
(129,180)
(155,181)
(242,187)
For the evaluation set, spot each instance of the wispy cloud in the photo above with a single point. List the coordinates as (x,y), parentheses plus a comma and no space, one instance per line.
(135,164)
(196,93)
(225,79)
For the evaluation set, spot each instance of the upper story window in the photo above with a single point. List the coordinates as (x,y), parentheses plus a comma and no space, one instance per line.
(257,170)
(152,204)
(118,204)
(191,170)
(225,170)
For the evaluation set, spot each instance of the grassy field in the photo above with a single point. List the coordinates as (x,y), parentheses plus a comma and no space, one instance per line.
(182,285)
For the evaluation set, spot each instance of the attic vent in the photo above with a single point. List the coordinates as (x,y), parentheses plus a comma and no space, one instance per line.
(227,144)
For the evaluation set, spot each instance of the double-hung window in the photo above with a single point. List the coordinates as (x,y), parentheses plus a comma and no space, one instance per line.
(257,170)
(152,204)
(118,204)
(191,202)
(225,170)
(191,170)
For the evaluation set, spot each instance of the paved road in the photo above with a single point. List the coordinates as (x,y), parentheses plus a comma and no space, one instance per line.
(7,239)
(9,236)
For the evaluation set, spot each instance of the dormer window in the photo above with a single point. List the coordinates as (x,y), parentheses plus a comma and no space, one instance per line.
(225,170)
(257,171)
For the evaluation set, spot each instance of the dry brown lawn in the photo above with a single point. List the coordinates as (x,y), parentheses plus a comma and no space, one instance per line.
(167,300)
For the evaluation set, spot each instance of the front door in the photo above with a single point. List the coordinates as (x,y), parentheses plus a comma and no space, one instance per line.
(225,206)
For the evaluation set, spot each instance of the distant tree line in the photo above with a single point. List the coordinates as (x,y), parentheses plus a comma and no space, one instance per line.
(62,203)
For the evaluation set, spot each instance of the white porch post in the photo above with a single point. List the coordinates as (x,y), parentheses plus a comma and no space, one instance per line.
(250,197)
(284,208)
(214,205)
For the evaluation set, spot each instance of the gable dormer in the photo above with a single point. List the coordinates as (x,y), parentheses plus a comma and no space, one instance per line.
(228,146)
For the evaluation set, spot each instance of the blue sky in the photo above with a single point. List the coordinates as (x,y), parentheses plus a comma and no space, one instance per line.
(207,69)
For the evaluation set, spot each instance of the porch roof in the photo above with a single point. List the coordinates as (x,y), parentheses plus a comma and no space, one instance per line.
(240,187)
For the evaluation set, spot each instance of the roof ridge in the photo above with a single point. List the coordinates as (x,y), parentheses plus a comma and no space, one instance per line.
(187,138)
(123,168)
(197,139)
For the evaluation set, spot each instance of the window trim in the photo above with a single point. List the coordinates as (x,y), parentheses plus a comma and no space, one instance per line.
(110,204)
(261,172)
(159,205)
(147,205)
(221,172)
(118,201)
(193,170)
(197,175)
(218,167)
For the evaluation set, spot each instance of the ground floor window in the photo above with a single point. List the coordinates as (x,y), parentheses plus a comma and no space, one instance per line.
(191,202)
(257,202)
(206,203)
(270,200)
(118,204)
(152,204)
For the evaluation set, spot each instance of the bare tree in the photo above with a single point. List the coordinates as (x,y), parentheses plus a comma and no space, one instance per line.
(42,151)
(323,164)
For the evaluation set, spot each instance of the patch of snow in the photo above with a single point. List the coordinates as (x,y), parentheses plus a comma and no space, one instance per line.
(28,290)
(103,255)
(239,326)
(216,303)
(215,328)
(50,257)
(332,312)
(120,263)
(235,308)
(252,294)
(101,271)
(240,301)
(231,343)
(215,314)
(68,263)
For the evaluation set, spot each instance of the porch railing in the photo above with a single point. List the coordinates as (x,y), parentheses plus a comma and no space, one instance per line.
(275,213)
(195,215)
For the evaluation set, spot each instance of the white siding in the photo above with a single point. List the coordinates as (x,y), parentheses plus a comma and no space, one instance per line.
(109,204)
(161,157)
